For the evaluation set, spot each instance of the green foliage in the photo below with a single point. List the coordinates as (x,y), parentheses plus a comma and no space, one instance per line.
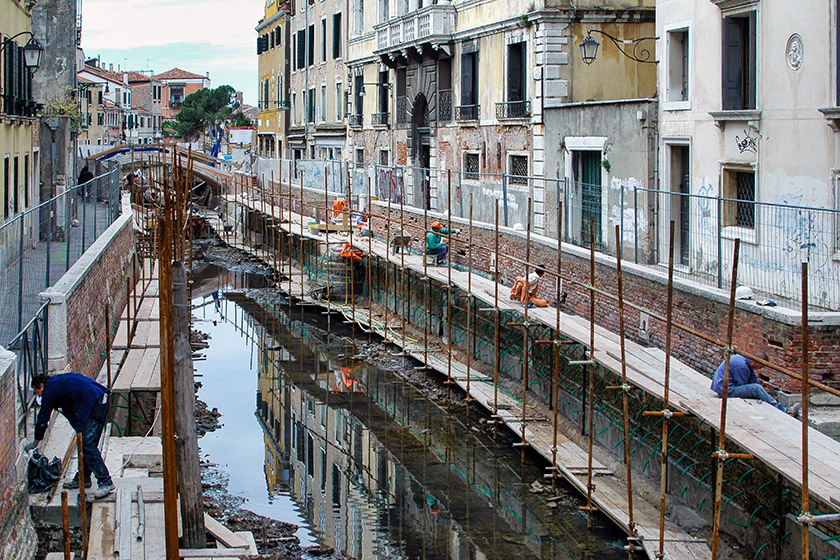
(204,107)
(65,105)
(605,163)
(239,119)
(169,129)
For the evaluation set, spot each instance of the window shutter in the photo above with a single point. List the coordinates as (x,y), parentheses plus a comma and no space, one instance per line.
(732,71)
(467,71)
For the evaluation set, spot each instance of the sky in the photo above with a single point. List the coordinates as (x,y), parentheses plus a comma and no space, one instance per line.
(203,36)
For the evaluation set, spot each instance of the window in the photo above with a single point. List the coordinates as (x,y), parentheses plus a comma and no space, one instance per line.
(517,72)
(739,62)
(469,86)
(518,170)
(323,40)
(677,76)
(280,93)
(384,10)
(265,94)
(15,186)
(360,156)
(336,39)
(6,187)
(301,49)
(323,115)
(739,190)
(294,108)
(680,208)
(358,94)
(472,166)
(360,17)
(311,53)
(444,105)
(837,212)
(271,40)
(383,157)
(26,182)
(339,101)
(176,95)
(384,96)
(310,106)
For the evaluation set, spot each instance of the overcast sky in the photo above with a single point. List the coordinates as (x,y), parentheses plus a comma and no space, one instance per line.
(199,36)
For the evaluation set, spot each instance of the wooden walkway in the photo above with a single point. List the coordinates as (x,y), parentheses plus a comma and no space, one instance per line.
(770,435)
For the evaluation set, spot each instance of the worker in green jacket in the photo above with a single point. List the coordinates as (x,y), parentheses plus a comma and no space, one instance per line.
(434,243)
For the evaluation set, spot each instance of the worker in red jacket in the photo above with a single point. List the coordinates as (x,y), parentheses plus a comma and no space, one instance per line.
(84,403)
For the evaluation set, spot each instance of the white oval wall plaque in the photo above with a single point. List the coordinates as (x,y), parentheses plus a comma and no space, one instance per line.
(795,52)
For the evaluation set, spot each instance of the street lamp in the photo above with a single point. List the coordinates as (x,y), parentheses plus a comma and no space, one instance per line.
(589,47)
(31,50)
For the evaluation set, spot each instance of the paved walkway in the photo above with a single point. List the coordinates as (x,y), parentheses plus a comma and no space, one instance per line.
(19,301)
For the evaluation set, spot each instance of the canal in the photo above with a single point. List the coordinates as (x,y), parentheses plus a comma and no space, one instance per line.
(320,429)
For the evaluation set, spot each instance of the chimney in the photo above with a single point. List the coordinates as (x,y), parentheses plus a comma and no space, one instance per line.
(111,67)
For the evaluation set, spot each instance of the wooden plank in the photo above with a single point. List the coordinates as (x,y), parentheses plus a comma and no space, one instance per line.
(215,553)
(223,534)
(123,544)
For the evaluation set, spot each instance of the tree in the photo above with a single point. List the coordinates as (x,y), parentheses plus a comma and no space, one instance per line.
(204,107)
(239,119)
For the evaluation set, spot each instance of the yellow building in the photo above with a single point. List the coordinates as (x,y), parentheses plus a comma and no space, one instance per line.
(272,52)
(18,147)
(93,112)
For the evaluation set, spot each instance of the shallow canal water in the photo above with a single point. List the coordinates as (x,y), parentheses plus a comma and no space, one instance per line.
(361,459)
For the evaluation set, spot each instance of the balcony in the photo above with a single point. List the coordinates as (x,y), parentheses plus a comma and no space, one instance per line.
(432,25)
(283,105)
(513,110)
(467,112)
(175,103)
(379,119)
(355,120)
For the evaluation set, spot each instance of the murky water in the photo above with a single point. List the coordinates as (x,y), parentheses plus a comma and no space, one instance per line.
(364,461)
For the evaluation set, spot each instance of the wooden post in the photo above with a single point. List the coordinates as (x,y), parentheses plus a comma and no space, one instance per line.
(189,471)
(108,342)
(82,499)
(65,524)
(806,397)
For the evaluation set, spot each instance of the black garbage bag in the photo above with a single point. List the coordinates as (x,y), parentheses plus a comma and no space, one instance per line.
(41,473)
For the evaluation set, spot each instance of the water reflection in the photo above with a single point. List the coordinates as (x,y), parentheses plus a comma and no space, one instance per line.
(374,467)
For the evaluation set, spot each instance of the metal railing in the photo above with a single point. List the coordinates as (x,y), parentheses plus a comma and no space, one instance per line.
(513,110)
(775,237)
(41,243)
(467,112)
(355,119)
(32,347)
(380,119)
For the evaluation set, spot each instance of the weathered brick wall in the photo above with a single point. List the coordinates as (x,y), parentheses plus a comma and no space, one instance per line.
(19,539)
(702,309)
(104,281)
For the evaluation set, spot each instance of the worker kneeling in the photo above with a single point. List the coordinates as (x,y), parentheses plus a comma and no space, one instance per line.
(744,384)
(434,244)
(527,294)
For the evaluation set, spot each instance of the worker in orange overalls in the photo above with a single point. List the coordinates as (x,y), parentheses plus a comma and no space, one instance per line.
(348,251)
(530,298)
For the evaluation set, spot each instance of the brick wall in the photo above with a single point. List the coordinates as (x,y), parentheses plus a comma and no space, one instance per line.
(701,309)
(19,539)
(104,281)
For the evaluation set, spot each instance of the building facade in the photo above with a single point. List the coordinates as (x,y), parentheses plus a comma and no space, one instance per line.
(317,83)
(147,98)
(465,86)
(273,57)
(177,84)
(749,125)
(18,125)
(92,105)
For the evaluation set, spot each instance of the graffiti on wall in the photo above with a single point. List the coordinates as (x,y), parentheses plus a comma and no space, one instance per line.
(623,213)
(512,204)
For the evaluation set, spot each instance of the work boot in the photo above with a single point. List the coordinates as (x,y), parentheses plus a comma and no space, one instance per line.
(73,483)
(101,492)
(794,410)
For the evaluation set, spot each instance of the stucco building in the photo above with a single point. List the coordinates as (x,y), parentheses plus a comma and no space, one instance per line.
(177,85)
(749,113)
(273,54)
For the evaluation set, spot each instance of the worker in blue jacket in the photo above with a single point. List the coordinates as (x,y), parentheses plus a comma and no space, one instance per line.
(743,382)
(84,403)
(434,244)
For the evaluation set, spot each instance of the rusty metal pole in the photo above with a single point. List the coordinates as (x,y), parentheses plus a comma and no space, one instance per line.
(449,283)
(721,453)
(663,469)
(327,257)
(108,341)
(370,263)
(387,258)
(525,332)
(426,292)
(806,397)
(497,325)
(469,307)
(170,488)
(625,388)
(352,264)
(555,385)
(589,382)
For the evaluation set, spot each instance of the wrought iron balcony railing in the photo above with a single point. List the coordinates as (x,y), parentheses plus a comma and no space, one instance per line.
(513,110)
(467,112)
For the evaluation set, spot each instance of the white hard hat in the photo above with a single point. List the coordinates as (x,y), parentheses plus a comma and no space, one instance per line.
(743,292)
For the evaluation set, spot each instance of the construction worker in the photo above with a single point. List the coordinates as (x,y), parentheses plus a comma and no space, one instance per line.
(84,403)
(434,244)
(529,296)
(744,384)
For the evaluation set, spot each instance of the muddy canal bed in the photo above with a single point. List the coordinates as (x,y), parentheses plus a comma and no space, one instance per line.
(330,446)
